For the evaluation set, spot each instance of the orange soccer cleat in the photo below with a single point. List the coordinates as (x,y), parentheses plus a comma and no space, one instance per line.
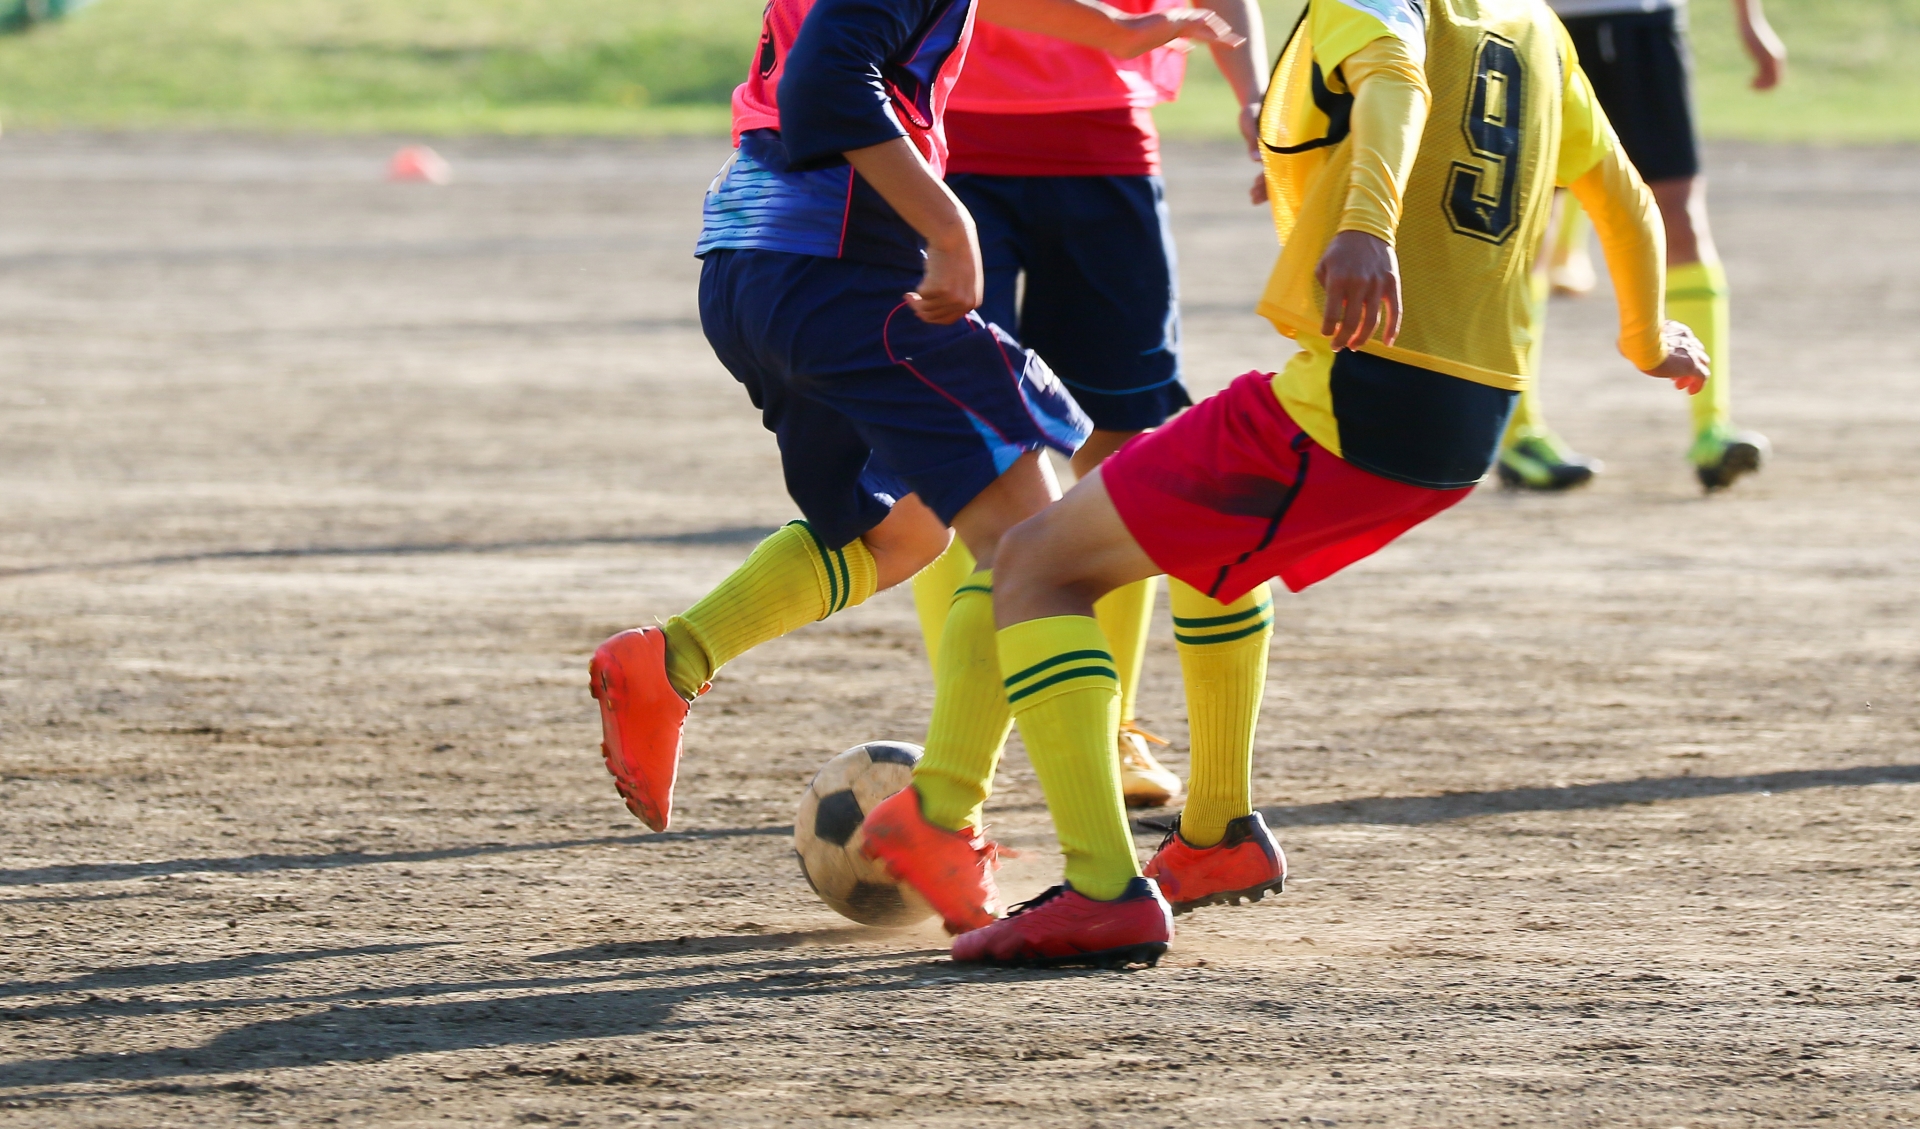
(952,870)
(641,718)
(1247,863)
(1063,926)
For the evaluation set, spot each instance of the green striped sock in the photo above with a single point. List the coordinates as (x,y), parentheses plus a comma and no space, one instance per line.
(1223,659)
(1065,694)
(789,580)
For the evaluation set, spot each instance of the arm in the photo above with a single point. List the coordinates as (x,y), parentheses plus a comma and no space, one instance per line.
(1592,164)
(1244,64)
(1359,270)
(1093,24)
(1635,245)
(833,103)
(954,279)
(1763,45)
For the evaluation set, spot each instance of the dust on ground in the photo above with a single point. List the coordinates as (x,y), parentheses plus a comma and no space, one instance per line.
(316,492)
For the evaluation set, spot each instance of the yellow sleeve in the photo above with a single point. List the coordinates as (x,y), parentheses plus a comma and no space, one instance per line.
(1338,28)
(1593,165)
(1390,101)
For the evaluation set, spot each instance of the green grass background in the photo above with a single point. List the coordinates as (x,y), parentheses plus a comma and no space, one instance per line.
(652,67)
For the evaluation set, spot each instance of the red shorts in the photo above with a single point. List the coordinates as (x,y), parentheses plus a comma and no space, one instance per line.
(1233,492)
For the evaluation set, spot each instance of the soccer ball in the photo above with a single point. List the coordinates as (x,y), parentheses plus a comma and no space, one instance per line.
(826,834)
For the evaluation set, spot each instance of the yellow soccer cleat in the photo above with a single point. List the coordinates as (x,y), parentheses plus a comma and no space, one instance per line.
(1144,781)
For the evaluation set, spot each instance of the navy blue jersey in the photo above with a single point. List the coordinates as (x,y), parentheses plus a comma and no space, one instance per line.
(834,75)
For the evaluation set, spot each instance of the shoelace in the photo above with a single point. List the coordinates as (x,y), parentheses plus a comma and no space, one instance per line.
(1149,738)
(1038,900)
(1173,832)
(993,851)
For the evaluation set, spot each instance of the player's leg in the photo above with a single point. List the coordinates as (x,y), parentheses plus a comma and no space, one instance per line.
(1063,688)
(853,541)
(1697,297)
(968,441)
(1532,457)
(1102,305)
(1225,495)
(1641,71)
(994,202)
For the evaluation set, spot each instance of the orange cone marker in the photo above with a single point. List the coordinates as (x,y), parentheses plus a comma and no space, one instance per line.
(421,164)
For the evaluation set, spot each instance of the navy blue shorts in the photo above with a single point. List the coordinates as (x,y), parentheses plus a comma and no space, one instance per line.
(870,403)
(1102,300)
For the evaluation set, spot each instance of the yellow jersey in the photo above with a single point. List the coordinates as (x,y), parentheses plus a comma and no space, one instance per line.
(1509,117)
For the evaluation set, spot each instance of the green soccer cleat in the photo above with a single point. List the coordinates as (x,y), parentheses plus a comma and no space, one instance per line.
(1538,460)
(1722,453)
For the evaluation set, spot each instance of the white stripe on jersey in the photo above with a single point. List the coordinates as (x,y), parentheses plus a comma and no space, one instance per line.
(1403,18)
(1564,8)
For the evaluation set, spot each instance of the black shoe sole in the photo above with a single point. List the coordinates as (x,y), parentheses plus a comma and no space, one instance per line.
(1737,460)
(1148,954)
(1232,897)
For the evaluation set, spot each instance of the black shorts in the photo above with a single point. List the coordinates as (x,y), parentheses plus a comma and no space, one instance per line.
(1642,73)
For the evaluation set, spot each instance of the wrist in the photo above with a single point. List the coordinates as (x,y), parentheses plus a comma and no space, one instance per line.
(1365,227)
(954,236)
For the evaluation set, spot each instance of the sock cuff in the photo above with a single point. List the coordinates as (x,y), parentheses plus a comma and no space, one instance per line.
(1704,279)
(980,582)
(1045,658)
(863,574)
(847,576)
(1199,620)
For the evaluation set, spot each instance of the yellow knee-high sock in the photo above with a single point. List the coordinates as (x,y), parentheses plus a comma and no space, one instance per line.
(933,589)
(1065,693)
(970,720)
(1124,615)
(1528,419)
(789,580)
(1223,659)
(1697,298)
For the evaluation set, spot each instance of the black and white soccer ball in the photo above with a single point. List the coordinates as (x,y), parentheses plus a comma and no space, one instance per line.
(826,834)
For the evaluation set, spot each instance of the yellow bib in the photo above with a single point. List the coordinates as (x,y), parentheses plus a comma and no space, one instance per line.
(1477,202)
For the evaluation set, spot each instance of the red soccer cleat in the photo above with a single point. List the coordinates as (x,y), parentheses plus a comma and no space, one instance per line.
(1063,927)
(952,870)
(641,717)
(1248,863)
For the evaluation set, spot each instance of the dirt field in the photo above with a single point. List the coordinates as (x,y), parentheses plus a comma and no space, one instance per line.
(316,492)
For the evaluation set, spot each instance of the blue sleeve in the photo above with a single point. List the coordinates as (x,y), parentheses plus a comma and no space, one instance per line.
(832,96)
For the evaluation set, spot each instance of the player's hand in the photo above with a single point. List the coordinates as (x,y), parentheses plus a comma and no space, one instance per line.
(953,285)
(1258,193)
(1687,363)
(1138,35)
(1763,45)
(1250,130)
(1361,275)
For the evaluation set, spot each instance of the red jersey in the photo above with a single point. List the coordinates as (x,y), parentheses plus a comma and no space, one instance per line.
(1031,105)
(918,78)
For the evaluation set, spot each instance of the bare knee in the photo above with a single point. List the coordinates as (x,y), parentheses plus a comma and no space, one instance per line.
(910,539)
(1683,212)
(1034,578)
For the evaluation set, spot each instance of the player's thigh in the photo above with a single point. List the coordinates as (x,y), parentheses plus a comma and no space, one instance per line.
(758,331)
(995,204)
(1070,554)
(948,410)
(1641,71)
(1102,302)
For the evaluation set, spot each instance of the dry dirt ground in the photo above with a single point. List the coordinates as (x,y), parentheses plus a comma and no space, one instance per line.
(316,492)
